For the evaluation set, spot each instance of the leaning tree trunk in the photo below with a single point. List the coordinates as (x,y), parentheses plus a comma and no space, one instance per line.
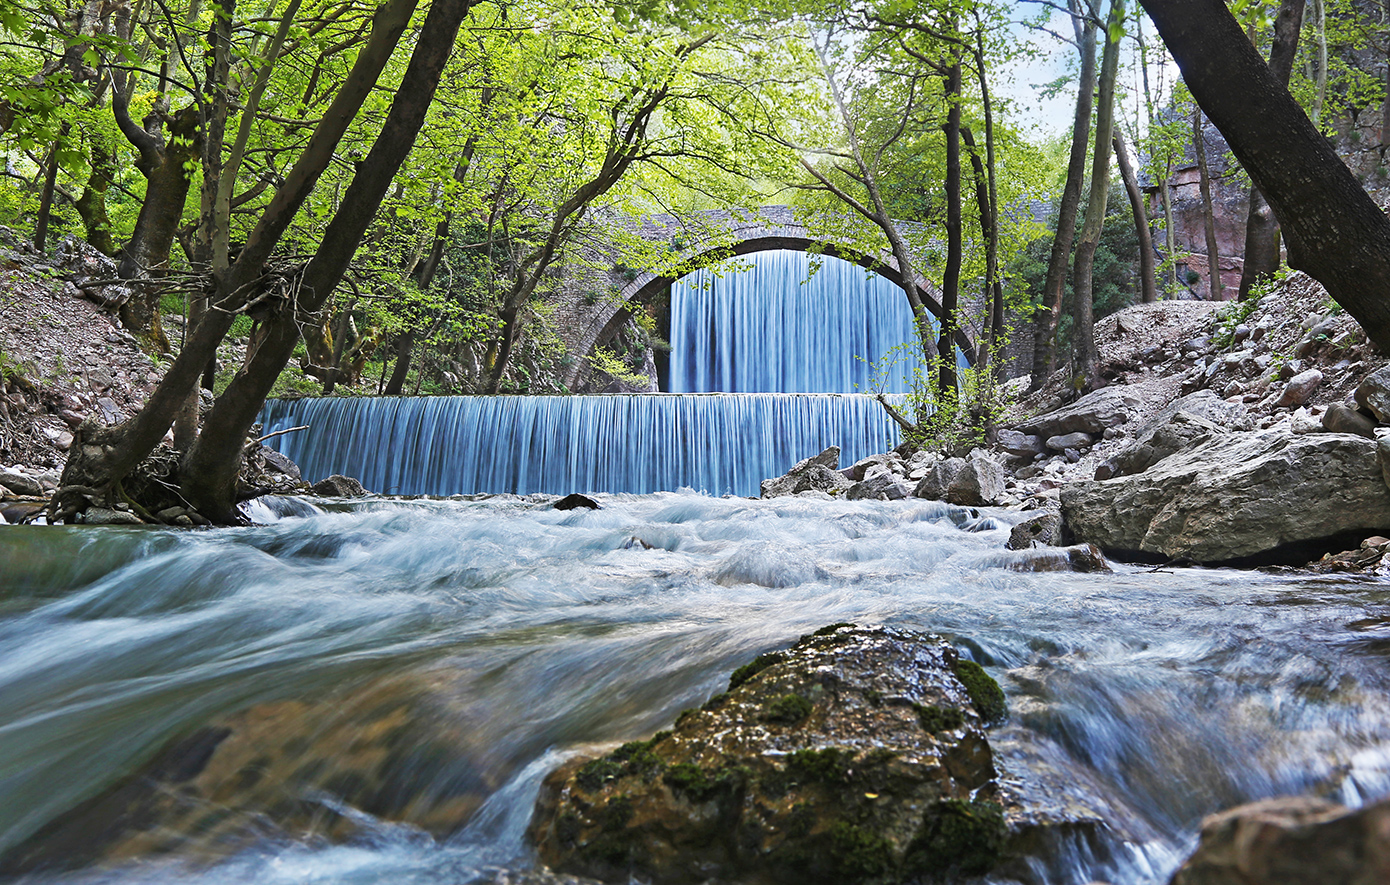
(1261,227)
(1199,146)
(1148,289)
(1084,344)
(91,204)
(1050,310)
(1332,228)
(209,473)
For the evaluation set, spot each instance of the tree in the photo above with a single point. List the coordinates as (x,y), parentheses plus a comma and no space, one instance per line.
(1084,341)
(1261,230)
(1049,311)
(1333,229)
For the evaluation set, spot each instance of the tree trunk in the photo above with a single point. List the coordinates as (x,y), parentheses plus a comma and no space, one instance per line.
(1320,75)
(50,183)
(1084,338)
(146,256)
(91,205)
(1147,287)
(1199,146)
(209,473)
(1333,230)
(948,385)
(125,447)
(405,345)
(1261,229)
(993,289)
(1050,310)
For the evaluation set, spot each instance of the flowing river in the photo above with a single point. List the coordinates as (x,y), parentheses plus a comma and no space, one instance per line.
(395,678)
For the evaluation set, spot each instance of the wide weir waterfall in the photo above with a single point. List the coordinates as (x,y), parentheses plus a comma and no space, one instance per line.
(783,357)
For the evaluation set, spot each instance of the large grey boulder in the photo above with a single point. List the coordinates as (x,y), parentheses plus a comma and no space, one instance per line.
(339,486)
(1020,445)
(20,484)
(933,486)
(817,473)
(1265,496)
(979,483)
(1292,841)
(1092,413)
(882,486)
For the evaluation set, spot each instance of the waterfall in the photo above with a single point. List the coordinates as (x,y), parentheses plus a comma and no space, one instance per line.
(715,443)
(794,323)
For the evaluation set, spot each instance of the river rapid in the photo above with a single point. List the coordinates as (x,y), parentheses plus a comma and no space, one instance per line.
(521,635)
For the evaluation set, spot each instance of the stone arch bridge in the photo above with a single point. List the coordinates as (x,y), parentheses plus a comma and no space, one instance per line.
(597,294)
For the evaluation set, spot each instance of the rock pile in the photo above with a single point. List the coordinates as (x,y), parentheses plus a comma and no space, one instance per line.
(975,481)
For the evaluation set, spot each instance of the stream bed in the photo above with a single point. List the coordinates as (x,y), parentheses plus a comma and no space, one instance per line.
(374,694)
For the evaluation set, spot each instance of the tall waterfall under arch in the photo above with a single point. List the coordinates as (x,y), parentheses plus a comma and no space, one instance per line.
(790,323)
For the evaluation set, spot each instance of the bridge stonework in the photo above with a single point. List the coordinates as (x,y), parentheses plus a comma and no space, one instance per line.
(629,262)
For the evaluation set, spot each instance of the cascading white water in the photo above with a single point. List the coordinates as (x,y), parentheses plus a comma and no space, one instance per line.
(790,324)
(522,634)
(720,444)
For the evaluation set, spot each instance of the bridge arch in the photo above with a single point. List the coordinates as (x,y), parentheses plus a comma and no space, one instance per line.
(718,235)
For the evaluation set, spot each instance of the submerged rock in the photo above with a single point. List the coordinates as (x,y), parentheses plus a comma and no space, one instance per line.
(858,755)
(1269,496)
(576,501)
(1292,840)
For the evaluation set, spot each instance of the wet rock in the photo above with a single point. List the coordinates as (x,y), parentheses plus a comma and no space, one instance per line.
(1292,840)
(1077,558)
(858,755)
(1268,496)
(1341,418)
(338,486)
(979,483)
(107,516)
(1020,445)
(1043,530)
(1299,389)
(17,483)
(1091,413)
(1373,394)
(576,501)
(818,473)
(1077,440)
(881,487)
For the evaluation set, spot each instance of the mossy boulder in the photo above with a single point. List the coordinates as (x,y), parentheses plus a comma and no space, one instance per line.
(857,755)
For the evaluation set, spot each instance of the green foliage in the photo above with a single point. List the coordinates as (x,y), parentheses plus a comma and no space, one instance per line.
(753,668)
(985,694)
(789,709)
(960,836)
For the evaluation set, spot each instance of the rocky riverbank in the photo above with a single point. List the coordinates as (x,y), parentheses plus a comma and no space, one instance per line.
(1243,434)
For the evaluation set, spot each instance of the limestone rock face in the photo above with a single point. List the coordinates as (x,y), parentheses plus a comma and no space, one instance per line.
(858,755)
(1291,841)
(1237,497)
(817,473)
(1190,420)
(1092,413)
(20,484)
